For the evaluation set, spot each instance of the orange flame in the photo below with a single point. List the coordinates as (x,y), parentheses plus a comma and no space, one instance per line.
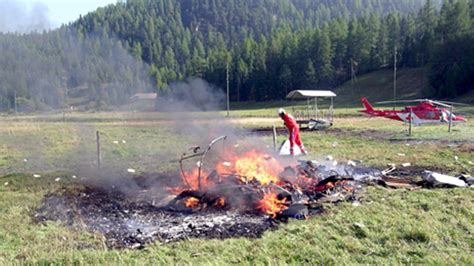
(193,180)
(191,202)
(220,202)
(270,204)
(254,165)
(251,166)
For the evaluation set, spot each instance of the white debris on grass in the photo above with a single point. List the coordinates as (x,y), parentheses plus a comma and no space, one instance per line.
(351,163)
(329,158)
(74,177)
(123,141)
(130,170)
(36,176)
(355,203)
(406,164)
(401,154)
(456,158)
(359,225)
(116,142)
(334,144)
(470,162)
(25,160)
(437,179)
(57,179)
(6,183)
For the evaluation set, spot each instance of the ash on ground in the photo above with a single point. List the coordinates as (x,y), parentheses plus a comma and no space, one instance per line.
(129,221)
(133,224)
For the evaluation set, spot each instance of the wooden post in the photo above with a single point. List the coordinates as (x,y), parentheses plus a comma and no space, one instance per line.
(352,76)
(450,118)
(227,83)
(274,137)
(410,122)
(394,75)
(15,103)
(97,134)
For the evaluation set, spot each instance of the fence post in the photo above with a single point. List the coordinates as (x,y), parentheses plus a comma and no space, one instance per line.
(410,122)
(274,137)
(97,135)
(450,118)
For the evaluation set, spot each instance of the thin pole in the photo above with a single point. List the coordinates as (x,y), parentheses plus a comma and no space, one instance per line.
(352,76)
(423,72)
(410,122)
(227,81)
(15,104)
(97,135)
(331,109)
(450,118)
(394,75)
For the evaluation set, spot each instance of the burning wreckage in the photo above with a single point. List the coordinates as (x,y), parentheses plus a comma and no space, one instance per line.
(243,194)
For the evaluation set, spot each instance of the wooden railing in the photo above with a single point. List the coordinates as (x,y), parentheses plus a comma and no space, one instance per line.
(308,113)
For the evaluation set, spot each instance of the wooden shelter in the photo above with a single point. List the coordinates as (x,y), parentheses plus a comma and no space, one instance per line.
(312,115)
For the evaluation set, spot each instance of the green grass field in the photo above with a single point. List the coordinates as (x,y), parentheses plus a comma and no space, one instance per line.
(399,226)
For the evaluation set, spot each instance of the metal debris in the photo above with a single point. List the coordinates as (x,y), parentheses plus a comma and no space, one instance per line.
(439,180)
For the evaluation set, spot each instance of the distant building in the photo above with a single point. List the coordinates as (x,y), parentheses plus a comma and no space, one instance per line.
(144,96)
(144,101)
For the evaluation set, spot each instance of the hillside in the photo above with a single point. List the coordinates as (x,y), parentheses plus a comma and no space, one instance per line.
(197,38)
(378,86)
(267,47)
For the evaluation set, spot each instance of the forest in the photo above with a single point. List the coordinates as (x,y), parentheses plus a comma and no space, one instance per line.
(267,47)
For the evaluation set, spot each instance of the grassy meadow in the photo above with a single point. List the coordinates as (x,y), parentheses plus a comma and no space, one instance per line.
(389,227)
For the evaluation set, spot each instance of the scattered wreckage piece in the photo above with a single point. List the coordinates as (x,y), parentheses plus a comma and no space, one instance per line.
(222,201)
(433,179)
(394,182)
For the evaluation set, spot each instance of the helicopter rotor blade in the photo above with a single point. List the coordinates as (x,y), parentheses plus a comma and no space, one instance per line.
(440,103)
(453,103)
(404,101)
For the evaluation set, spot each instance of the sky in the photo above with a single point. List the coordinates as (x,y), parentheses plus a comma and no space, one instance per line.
(29,15)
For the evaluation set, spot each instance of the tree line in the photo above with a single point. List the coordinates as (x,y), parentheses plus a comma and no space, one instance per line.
(324,57)
(52,70)
(259,40)
(267,46)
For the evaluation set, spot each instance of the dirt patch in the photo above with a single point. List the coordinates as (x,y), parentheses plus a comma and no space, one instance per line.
(366,134)
(372,134)
(133,224)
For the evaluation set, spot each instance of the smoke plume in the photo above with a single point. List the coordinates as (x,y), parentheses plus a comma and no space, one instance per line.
(22,18)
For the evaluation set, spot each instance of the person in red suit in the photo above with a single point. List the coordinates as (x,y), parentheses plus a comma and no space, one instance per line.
(294,130)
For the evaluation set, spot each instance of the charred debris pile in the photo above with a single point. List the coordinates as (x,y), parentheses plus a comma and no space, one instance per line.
(232,193)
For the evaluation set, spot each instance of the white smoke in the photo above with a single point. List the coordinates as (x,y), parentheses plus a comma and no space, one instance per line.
(21,17)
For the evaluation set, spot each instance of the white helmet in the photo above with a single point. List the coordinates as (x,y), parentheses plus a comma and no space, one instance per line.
(281,111)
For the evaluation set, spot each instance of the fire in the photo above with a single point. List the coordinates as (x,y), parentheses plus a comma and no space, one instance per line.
(220,202)
(191,202)
(193,181)
(257,166)
(270,204)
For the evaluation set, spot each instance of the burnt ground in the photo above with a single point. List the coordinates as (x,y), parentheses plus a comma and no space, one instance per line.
(372,134)
(133,224)
(133,221)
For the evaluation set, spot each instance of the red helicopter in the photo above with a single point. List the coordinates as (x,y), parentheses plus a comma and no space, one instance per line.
(426,112)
